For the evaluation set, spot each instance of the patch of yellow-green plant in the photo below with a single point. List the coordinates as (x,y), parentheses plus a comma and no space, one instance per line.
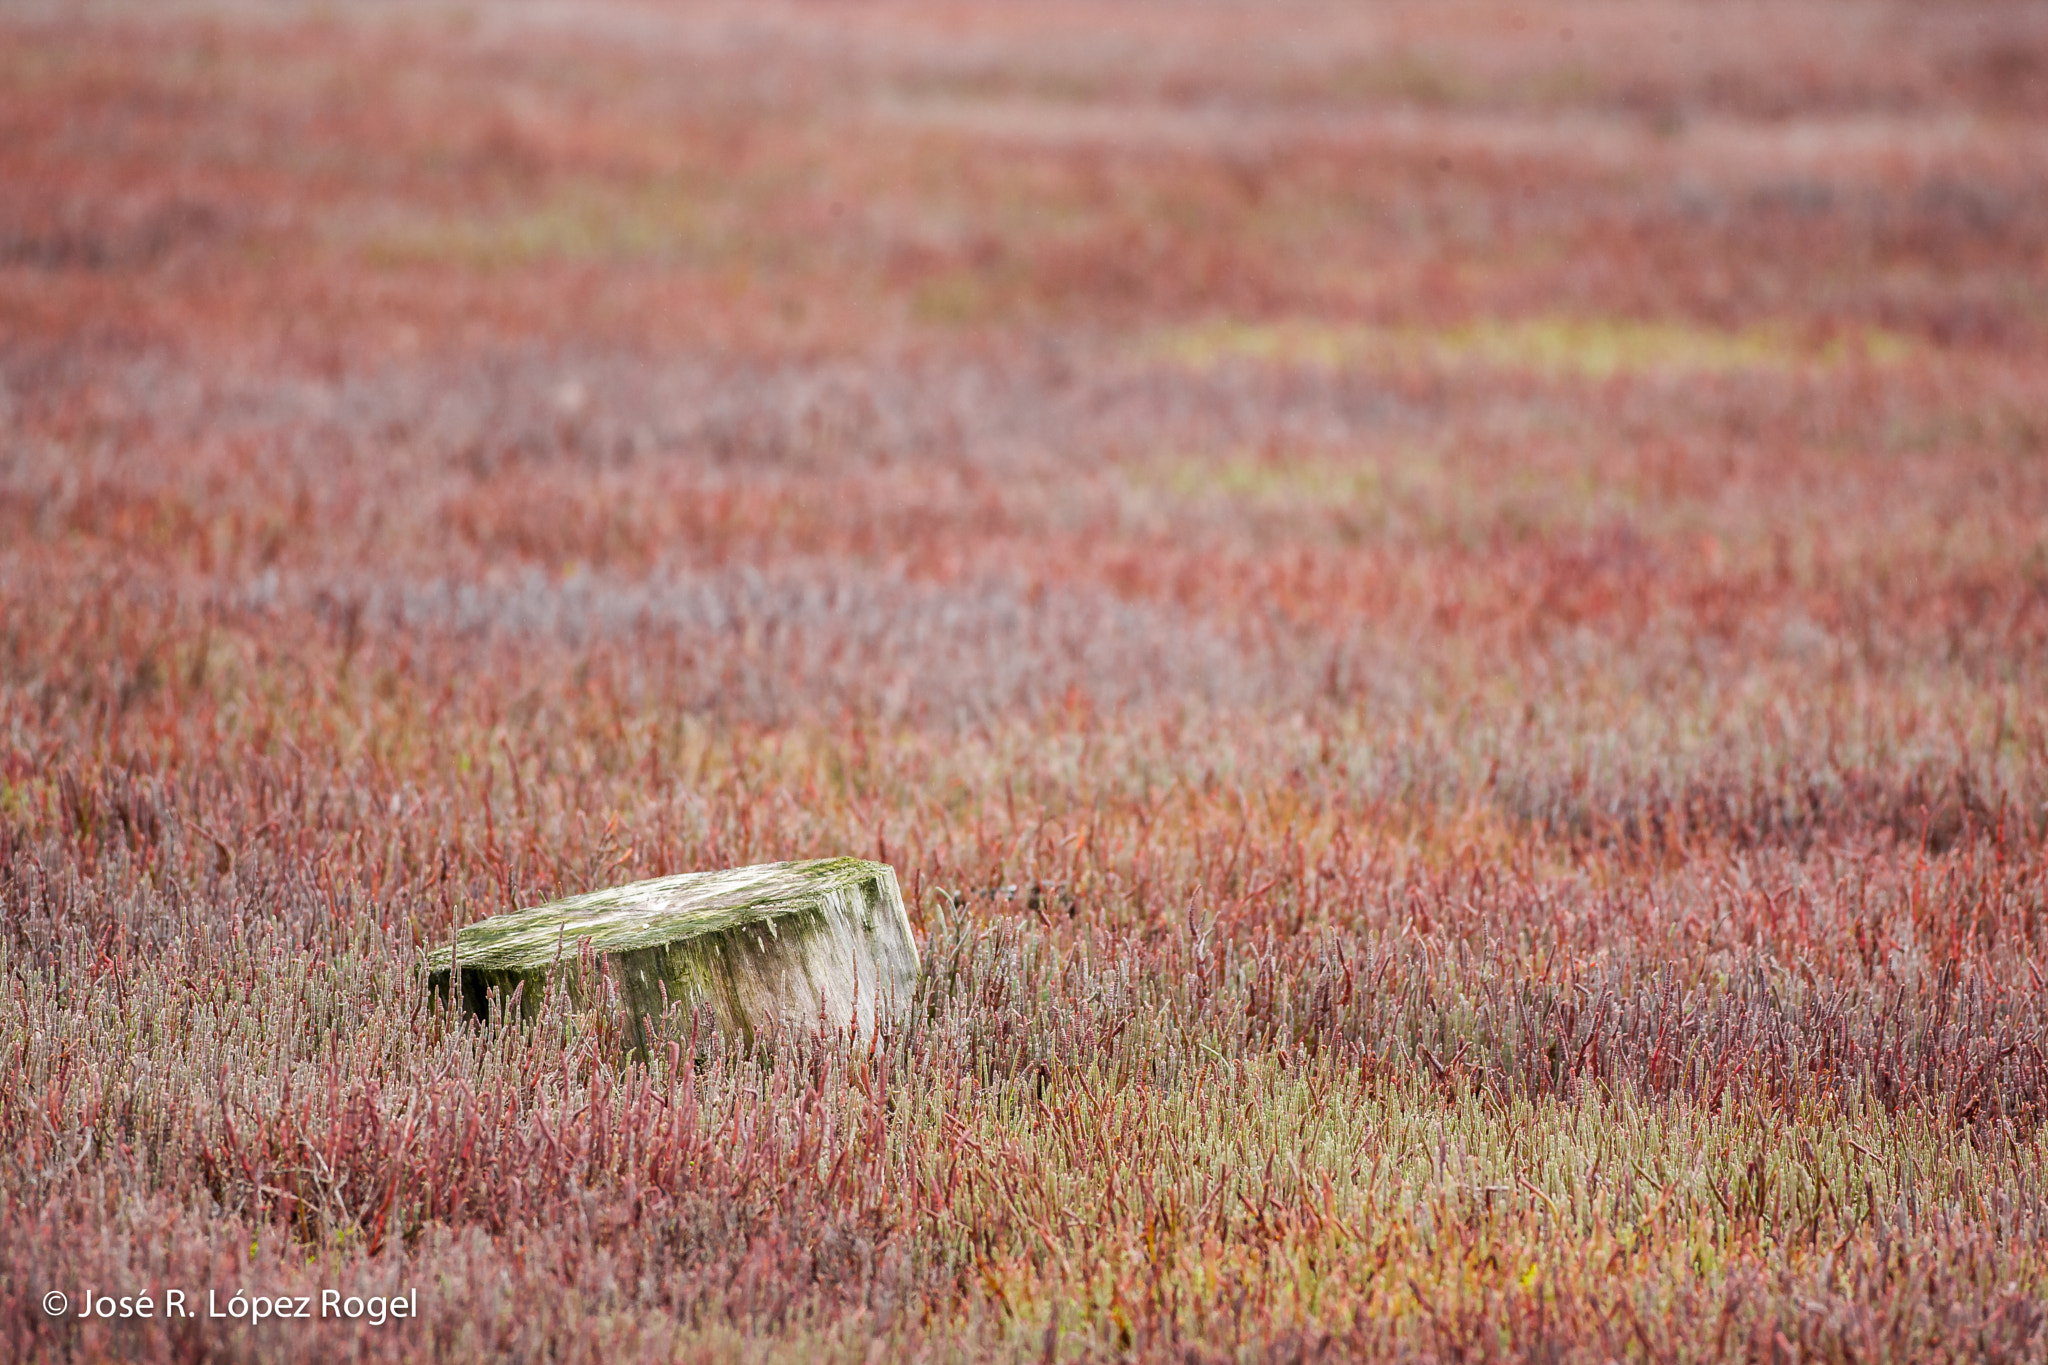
(582,225)
(1392,1198)
(22,800)
(1561,346)
(1405,75)
(955,298)
(1414,491)
(1261,479)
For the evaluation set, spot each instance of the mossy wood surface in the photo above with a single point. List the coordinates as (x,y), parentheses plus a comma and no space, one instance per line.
(822,944)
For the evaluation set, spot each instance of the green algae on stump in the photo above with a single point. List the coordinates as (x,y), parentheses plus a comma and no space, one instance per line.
(810,945)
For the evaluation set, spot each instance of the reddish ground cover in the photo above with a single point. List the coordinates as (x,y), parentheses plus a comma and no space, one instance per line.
(1442,609)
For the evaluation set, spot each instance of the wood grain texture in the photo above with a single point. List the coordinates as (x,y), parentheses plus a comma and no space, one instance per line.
(822,945)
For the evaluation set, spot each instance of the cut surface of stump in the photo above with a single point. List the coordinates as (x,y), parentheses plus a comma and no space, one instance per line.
(822,945)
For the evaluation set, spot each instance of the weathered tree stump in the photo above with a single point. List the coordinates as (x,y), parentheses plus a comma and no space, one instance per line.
(814,946)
